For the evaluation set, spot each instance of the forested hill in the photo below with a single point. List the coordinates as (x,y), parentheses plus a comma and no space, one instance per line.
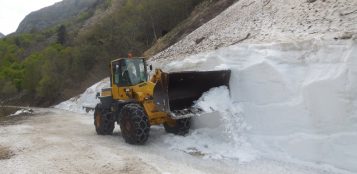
(46,64)
(56,14)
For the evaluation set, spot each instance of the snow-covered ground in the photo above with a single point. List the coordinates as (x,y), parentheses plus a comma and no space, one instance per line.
(58,141)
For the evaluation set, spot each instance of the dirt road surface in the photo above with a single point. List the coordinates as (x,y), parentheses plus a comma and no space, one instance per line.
(57,141)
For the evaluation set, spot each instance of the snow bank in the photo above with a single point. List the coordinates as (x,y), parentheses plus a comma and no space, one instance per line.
(86,100)
(299,100)
(217,101)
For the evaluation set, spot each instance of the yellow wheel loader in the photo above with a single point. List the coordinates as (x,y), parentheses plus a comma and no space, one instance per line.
(136,102)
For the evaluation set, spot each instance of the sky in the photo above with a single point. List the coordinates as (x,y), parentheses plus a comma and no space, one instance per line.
(12,12)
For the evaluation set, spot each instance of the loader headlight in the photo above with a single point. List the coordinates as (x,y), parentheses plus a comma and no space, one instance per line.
(149,97)
(128,92)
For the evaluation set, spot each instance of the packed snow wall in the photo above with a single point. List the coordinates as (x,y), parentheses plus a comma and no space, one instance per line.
(299,100)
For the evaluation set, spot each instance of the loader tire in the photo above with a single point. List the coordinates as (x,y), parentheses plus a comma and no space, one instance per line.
(181,126)
(103,121)
(134,124)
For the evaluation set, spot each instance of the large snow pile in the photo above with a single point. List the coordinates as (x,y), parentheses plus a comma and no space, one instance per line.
(257,21)
(299,100)
(86,100)
(289,101)
(217,133)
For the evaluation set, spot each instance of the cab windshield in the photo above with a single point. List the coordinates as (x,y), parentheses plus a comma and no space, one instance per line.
(129,72)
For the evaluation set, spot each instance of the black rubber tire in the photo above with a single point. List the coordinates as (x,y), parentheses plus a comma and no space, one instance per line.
(182,127)
(134,124)
(103,121)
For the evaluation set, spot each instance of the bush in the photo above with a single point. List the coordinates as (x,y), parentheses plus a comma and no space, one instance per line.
(9,88)
(48,88)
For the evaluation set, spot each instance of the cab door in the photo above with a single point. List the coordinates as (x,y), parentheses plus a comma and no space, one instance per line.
(117,78)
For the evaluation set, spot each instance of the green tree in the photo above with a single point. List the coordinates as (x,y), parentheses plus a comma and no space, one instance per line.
(32,75)
(62,35)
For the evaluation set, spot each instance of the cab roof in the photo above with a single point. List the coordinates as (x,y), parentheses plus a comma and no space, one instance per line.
(127,58)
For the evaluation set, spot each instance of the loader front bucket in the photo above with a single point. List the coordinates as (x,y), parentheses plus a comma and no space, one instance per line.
(177,91)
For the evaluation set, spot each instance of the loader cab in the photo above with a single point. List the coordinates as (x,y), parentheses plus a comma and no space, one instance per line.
(128,72)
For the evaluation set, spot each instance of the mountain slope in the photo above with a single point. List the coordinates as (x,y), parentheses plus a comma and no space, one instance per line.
(1,35)
(55,15)
(270,21)
(62,49)
(202,14)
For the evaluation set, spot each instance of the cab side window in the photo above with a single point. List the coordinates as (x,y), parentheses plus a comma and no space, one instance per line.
(116,74)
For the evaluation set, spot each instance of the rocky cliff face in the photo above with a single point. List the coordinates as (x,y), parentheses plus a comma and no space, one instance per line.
(1,35)
(55,14)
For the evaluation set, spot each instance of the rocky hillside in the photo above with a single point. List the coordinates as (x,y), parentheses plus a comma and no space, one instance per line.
(202,14)
(56,14)
(1,35)
(268,21)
